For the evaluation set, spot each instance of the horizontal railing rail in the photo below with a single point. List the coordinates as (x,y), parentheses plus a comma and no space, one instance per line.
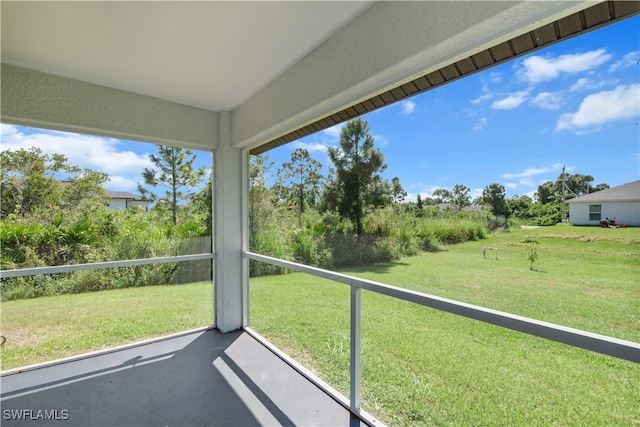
(100,265)
(615,347)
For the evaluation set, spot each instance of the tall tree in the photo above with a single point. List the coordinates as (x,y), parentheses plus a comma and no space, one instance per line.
(599,187)
(578,184)
(203,204)
(546,193)
(397,192)
(575,185)
(494,196)
(442,196)
(460,196)
(175,172)
(358,165)
(519,206)
(378,193)
(85,189)
(27,179)
(331,193)
(419,206)
(260,205)
(30,180)
(300,180)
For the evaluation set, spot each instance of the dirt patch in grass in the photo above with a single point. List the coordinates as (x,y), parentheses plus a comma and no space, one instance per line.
(583,238)
(582,250)
(24,337)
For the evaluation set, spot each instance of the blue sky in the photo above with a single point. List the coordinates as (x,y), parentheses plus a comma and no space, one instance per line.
(575,104)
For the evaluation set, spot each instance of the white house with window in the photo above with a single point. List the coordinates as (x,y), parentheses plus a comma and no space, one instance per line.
(621,202)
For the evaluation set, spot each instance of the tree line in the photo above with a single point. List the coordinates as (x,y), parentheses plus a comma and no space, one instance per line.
(52,213)
(55,213)
(355,186)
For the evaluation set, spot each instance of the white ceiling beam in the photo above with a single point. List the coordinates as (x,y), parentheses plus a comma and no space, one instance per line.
(33,98)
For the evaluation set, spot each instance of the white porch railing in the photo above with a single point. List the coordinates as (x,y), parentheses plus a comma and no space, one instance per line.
(99,265)
(615,347)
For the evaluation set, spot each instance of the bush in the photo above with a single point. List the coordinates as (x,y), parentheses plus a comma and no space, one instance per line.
(103,236)
(269,242)
(350,250)
(325,241)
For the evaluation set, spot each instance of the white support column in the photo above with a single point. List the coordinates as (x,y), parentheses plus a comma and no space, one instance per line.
(229,228)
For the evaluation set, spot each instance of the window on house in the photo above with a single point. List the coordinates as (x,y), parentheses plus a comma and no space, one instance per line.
(595,212)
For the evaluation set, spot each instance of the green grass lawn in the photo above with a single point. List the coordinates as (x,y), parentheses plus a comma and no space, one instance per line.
(425,367)
(420,366)
(47,328)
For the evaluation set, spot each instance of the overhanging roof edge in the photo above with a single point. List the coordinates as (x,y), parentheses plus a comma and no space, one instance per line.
(574,24)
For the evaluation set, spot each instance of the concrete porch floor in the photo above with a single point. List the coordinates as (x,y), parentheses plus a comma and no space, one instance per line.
(200,379)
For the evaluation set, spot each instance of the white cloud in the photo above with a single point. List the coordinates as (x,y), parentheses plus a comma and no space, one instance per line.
(311,147)
(510,102)
(486,95)
(412,197)
(532,177)
(531,172)
(407,107)
(380,140)
(495,77)
(122,183)
(425,190)
(621,103)
(482,98)
(321,141)
(82,150)
(536,69)
(106,155)
(627,61)
(7,131)
(334,131)
(581,84)
(548,100)
(475,193)
(585,84)
(480,124)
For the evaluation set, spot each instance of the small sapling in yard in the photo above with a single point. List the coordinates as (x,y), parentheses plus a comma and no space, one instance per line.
(532,255)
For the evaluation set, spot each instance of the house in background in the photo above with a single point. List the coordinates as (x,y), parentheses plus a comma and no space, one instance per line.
(621,202)
(121,200)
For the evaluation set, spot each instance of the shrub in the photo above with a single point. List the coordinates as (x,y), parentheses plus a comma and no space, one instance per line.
(269,242)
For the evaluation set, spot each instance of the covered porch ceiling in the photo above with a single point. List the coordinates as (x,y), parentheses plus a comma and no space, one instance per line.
(209,55)
(281,70)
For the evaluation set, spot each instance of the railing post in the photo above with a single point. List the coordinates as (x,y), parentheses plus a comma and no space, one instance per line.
(355,349)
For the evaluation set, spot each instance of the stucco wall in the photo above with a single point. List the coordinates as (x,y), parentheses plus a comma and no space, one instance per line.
(33,98)
(624,213)
(117,204)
